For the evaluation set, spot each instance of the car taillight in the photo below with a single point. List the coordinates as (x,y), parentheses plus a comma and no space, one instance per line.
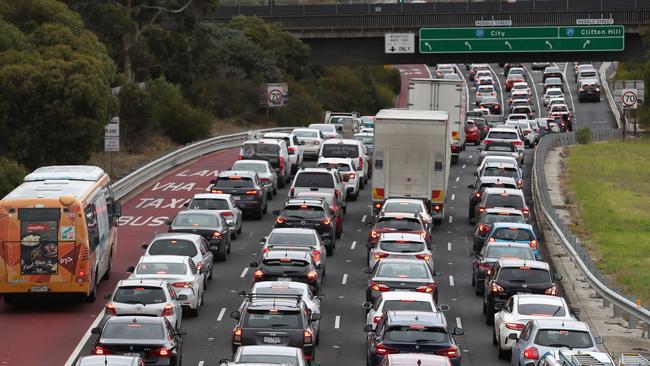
(307,337)
(241,157)
(216,235)
(265,180)
(227,214)
(385,350)
(280,220)
(316,255)
(487,141)
(485,268)
(252,193)
(477,194)
(360,163)
(374,234)
(168,310)
(495,288)
(312,276)
(437,208)
(216,191)
(237,335)
(531,353)
(258,274)
(281,163)
(525,211)
(291,149)
(162,352)
(492,240)
(380,255)
(379,287)
(481,209)
(325,221)
(484,228)
(336,193)
(533,244)
(515,326)
(378,205)
(517,142)
(292,192)
(520,183)
(351,176)
(425,257)
(428,288)
(450,352)
(551,291)
(182,284)
(110,309)
(99,350)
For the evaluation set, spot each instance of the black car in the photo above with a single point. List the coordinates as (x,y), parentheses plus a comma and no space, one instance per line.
(392,274)
(210,225)
(154,339)
(245,187)
(411,332)
(552,72)
(516,276)
(491,103)
(309,214)
(482,125)
(275,320)
(485,260)
(480,185)
(289,265)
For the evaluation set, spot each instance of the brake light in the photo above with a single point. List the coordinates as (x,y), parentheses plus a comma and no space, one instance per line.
(360,163)
(162,352)
(525,211)
(492,240)
(484,228)
(436,208)
(517,142)
(316,255)
(258,274)
(481,209)
(380,255)
(252,193)
(374,234)
(227,214)
(377,318)
(110,309)
(265,180)
(485,268)
(533,244)
(307,337)
(515,326)
(281,163)
(486,141)
(425,257)
(325,221)
(237,335)
(531,353)
(376,286)
(450,352)
(168,310)
(99,350)
(477,194)
(291,149)
(385,350)
(312,276)
(182,284)
(495,288)
(520,183)
(336,193)
(428,288)
(351,176)
(280,220)
(551,291)
(216,191)
(241,157)
(216,235)
(378,205)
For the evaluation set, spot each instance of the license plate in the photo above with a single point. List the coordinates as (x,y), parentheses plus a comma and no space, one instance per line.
(523,292)
(273,340)
(236,197)
(402,290)
(132,354)
(39,289)
(284,279)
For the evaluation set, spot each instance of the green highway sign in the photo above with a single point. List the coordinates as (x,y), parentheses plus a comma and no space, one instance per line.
(523,39)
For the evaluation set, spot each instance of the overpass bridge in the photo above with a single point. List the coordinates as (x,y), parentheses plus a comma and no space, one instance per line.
(352,32)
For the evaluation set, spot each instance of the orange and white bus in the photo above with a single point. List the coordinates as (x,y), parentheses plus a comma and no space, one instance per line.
(58,232)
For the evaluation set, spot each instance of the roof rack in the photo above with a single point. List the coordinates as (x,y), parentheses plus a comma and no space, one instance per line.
(633,359)
(585,359)
(275,297)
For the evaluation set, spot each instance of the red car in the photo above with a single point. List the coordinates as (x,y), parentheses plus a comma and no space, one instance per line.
(472,134)
(512,79)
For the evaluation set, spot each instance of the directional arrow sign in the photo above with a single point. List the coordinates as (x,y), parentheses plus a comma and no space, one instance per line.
(523,39)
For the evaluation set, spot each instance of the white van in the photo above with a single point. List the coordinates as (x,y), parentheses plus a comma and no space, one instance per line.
(348,148)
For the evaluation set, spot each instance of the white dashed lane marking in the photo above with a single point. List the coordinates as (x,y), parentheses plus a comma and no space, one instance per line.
(363,219)
(453,196)
(451,280)
(243,273)
(457,179)
(221,313)
(459,324)
(337,322)
(449,246)
(345,279)
(451,219)
(354,245)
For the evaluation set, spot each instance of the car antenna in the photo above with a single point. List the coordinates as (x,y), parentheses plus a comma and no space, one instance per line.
(105,360)
(419,362)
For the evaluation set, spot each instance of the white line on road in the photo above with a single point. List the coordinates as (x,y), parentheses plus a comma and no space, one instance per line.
(250,235)
(363,219)
(539,110)
(449,246)
(354,245)
(337,322)
(84,339)
(453,196)
(463,166)
(221,313)
(243,273)
(201,363)
(451,219)
(451,280)
(469,157)
(457,179)
(345,279)
(459,324)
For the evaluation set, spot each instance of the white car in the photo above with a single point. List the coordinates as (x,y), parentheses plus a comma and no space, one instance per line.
(264,170)
(349,148)
(484,80)
(496,159)
(408,205)
(396,300)
(504,134)
(296,239)
(401,246)
(295,147)
(516,117)
(552,93)
(485,111)
(311,139)
(520,94)
(530,136)
(328,130)
(554,101)
(184,244)
(179,271)
(484,91)
(348,171)
(224,203)
(520,309)
(522,85)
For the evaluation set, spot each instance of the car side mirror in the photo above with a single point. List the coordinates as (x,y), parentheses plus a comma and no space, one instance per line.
(253,264)
(599,340)
(557,277)
(366,270)
(263,240)
(118,209)
(108,295)
(457,331)
(214,181)
(367,328)
(366,305)
(235,314)
(475,174)
(144,246)
(168,222)
(181,331)
(181,297)
(276,212)
(96,330)
(575,312)
(437,274)
(314,317)
(186,204)
(130,269)
(443,307)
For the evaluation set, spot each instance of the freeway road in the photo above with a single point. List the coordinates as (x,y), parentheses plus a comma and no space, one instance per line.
(46,332)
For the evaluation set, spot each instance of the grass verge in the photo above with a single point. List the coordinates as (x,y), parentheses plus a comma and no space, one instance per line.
(610,183)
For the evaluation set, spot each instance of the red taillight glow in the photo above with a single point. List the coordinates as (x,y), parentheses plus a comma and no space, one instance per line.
(216,191)
(307,337)
(484,228)
(525,211)
(380,255)
(385,350)
(531,353)
(237,335)
(110,309)
(280,220)
(551,291)
(360,163)
(533,244)
(258,274)
(99,350)
(428,288)
(182,284)
(351,176)
(481,209)
(517,142)
(227,214)
(325,221)
(374,234)
(485,268)
(312,276)
(162,352)
(291,149)
(377,318)
(425,257)
(168,310)
(450,352)
(252,193)
(281,163)
(216,235)
(376,286)
(515,326)
(495,288)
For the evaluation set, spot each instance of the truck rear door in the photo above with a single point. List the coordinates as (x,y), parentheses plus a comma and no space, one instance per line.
(407,177)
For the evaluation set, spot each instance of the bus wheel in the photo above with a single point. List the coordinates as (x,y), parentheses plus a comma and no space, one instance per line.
(92,296)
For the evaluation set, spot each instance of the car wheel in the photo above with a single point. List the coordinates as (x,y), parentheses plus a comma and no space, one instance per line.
(205,284)
(269,195)
(275,191)
(259,214)
(489,316)
(495,340)
(281,182)
(339,233)
(478,291)
(222,254)
(265,209)
(329,250)
(473,280)
(354,197)
(240,227)
(229,246)
(233,235)
(211,271)
(501,353)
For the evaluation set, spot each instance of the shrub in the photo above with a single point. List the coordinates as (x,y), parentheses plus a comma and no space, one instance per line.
(583,136)
(11,175)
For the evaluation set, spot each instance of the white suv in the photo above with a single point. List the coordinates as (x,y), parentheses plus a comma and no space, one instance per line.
(319,180)
(348,171)
(295,147)
(348,148)
(504,134)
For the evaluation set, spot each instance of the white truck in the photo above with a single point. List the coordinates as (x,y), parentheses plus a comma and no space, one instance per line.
(443,95)
(411,157)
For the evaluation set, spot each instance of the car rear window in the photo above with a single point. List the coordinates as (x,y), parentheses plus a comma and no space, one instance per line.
(133,331)
(320,180)
(513,234)
(251,149)
(403,246)
(277,319)
(196,220)
(504,135)
(416,333)
(507,200)
(500,252)
(209,204)
(140,294)
(291,238)
(408,305)
(491,218)
(402,207)
(494,171)
(303,133)
(234,182)
(525,275)
(252,167)
(403,270)
(540,309)
(268,359)
(173,247)
(285,262)
(303,212)
(558,338)
(162,268)
(340,151)
(397,224)
(343,168)
(497,185)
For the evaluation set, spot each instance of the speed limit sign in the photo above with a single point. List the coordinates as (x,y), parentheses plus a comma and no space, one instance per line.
(629,99)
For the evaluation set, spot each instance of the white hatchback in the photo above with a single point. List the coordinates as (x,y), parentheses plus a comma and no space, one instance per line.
(395,300)
(401,246)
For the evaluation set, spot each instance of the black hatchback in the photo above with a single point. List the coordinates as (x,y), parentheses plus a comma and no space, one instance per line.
(289,265)
(309,214)
(210,225)
(245,187)
(154,339)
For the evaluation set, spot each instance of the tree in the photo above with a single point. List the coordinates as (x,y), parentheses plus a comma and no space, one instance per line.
(136,121)
(11,175)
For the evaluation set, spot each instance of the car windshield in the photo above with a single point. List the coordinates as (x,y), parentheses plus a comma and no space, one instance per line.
(234,182)
(491,218)
(251,167)
(272,319)
(416,334)
(196,220)
(305,133)
(259,149)
(303,212)
(536,309)
(403,207)
(513,234)
(139,295)
(268,359)
(398,224)
(507,200)
(401,246)
(531,276)
(563,338)
(209,204)
(403,270)
(161,268)
(343,168)
(408,305)
(133,331)
(292,238)
(503,135)
(173,247)
(501,252)
(309,179)
(340,151)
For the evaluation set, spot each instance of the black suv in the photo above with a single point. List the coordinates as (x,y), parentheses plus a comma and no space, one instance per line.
(481,184)
(207,223)
(245,187)
(289,265)
(516,276)
(275,320)
(309,214)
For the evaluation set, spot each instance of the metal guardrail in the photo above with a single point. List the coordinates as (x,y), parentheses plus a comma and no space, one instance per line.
(606,71)
(154,169)
(622,305)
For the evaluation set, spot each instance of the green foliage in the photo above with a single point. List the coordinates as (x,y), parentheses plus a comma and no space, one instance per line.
(136,122)
(11,175)
(303,108)
(583,136)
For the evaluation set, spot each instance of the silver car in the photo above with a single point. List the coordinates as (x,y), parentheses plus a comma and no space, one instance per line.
(280,355)
(294,239)
(328,130)
(180,272)
(264,170)
(145,297)
(223,203)
(112,360)
(311,139)
(401,246)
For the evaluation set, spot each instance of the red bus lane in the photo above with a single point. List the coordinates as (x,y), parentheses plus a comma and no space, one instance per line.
(408,72)
(46,331)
